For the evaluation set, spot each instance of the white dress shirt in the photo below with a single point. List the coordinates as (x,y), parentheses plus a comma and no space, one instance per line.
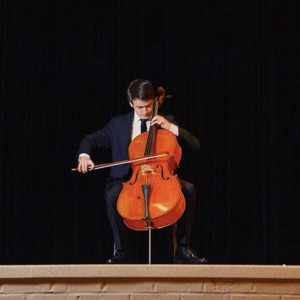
(136,126)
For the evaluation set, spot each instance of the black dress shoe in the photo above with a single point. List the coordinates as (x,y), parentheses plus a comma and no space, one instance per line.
(184,255)
(120,257)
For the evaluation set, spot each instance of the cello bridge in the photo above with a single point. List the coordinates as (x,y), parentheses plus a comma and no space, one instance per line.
(147,169)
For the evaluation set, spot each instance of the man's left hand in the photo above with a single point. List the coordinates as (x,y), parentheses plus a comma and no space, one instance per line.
(161,121)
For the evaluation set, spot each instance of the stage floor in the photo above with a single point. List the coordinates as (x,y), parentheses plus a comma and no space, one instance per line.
(73,282)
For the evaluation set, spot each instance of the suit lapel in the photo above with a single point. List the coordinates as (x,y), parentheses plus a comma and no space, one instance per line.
(127,128)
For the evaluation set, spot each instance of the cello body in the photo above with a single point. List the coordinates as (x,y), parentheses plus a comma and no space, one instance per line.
(153,193)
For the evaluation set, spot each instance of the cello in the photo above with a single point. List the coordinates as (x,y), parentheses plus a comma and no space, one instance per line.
(153,196)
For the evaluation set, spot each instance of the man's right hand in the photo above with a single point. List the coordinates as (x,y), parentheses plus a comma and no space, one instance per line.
(85,164)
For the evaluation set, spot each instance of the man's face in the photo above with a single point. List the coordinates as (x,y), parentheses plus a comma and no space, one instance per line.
(143,108)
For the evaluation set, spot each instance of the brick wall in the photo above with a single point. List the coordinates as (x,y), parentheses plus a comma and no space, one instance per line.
(149,282)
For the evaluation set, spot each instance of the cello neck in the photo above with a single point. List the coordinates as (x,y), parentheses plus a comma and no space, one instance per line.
(152,133)
(158,101)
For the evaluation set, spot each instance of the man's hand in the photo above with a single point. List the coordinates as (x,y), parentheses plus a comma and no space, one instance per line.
(165,124)
(161,121)
(85,164)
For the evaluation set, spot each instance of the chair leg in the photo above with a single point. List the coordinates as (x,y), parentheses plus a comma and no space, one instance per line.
(174,227)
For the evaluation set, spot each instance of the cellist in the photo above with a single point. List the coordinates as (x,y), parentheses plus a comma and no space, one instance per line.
(117,135)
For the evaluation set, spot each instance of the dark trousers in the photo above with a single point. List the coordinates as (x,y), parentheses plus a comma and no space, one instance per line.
(120,230)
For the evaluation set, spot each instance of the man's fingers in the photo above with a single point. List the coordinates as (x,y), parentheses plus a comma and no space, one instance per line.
(84,166)
(91,165)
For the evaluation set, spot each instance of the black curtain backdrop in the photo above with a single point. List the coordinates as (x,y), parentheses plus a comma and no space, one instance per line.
(232,68)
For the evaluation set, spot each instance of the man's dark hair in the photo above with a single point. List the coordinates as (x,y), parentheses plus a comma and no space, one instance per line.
(140,89)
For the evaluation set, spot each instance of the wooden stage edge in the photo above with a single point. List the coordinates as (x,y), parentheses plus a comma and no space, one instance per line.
(150,282)
(151,271)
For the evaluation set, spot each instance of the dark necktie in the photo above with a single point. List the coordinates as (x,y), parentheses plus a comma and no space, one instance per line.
(143,125)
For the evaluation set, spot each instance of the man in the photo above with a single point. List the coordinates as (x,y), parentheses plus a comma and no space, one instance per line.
(117,135)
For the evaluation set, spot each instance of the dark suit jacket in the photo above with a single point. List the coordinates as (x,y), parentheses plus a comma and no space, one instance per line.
(116,135)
